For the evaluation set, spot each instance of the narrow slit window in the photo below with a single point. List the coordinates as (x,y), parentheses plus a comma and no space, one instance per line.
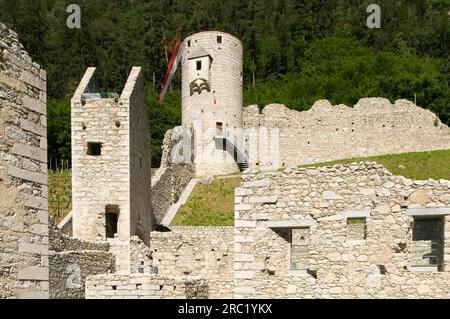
(94,149)
(199,65)
(219,128)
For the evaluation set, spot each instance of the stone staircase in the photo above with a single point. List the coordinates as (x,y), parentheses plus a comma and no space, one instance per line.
(173,209)
(238,155)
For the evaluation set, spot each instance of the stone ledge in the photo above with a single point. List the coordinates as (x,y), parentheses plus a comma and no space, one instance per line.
(423,269)
(356,214)
(439,211)
(291,223)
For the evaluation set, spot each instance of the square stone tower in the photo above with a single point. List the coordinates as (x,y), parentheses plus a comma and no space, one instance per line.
(111,187)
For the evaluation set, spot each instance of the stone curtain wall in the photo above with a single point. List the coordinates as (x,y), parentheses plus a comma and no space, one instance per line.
(324,133)
(269,205)
(72,260)
(138,286)
(23,173)
(133,96)
(196,251)
(170,180)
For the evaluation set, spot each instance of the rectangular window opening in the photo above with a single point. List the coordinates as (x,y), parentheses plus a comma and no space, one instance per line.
(356,228)
(112,219)
(94,149)
(219,39)
(299,239)
(199,65)
(427,251)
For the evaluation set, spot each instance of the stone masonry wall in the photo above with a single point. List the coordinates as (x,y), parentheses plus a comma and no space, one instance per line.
(269,206)
(196,251)
(72,260)
(142,220)
(170,180)
(140,257)
(23,173)
(324,133)
(138,286)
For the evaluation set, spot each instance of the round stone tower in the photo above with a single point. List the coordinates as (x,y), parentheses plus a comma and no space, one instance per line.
(212,84)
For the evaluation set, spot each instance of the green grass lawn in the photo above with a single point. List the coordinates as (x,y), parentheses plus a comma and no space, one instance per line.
(423,165)
(209,205)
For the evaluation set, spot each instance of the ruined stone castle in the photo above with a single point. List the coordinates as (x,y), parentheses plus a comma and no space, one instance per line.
(342,231)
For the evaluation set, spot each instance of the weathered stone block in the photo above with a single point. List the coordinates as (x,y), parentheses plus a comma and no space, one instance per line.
(39,229)
(33,248)
(259,183)
(34,105)
(43,217)
(244,257)
(263,199)
(240,207)
(13,83)
(244,274)
(245,223)
(43,143)
(33,80)
(27,175)
(330,195)
(30,151)
(36,202)
(242,192)
(32,294)
(33,273)
(420,197)
(33,128)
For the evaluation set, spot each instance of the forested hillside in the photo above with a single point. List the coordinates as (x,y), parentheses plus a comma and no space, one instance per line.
(295,51)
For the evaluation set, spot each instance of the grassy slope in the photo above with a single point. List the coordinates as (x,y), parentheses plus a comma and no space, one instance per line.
(424,165)
(209,205)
